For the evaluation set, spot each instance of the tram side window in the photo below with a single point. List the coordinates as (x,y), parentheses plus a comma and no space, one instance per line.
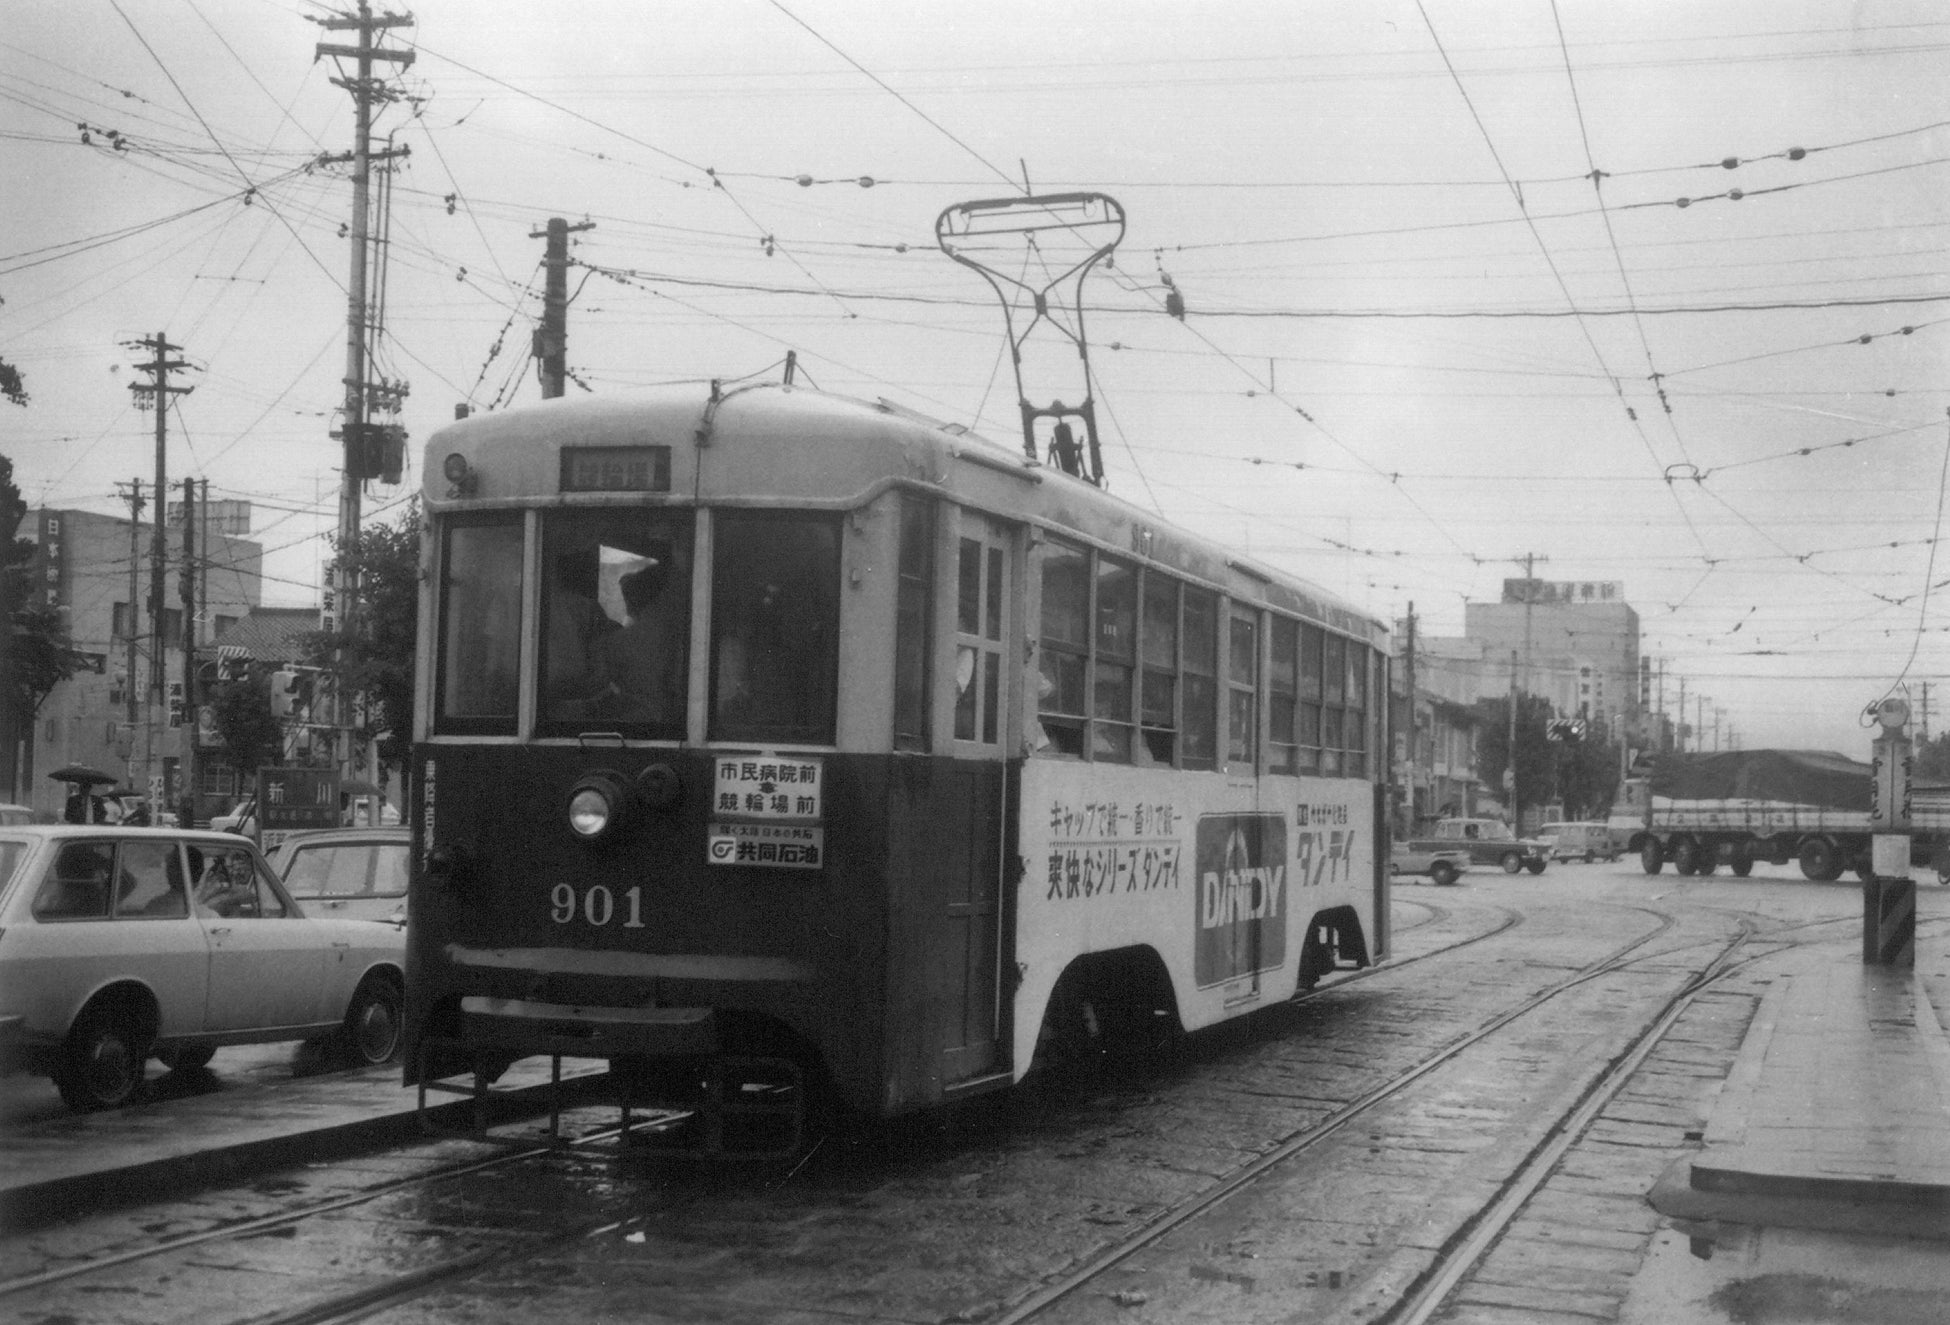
(480,627)
(1282,703)
(616,613)
(981,577)
(1354,727)
(774,627)
(1114,660)
(1065,648)
(1333,675)
(1311,640)
(1199,713)
(1158,711)
(1242,688)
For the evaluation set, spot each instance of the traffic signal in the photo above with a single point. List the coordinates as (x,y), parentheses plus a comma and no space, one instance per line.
(284,691)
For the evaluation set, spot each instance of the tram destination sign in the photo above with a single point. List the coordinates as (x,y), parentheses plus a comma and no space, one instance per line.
(766,811)
(616,469)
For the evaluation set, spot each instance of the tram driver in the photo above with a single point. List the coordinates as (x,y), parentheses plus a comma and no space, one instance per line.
(645,659)
(574,669)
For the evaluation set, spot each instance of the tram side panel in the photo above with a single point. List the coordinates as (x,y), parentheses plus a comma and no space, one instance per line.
(1221,877)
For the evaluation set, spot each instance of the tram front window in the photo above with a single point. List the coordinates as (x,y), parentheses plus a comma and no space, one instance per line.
(774,627)
(480,627)
(616,611)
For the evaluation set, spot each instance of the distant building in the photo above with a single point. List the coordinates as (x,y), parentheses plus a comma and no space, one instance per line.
(1575,643)
(96,570)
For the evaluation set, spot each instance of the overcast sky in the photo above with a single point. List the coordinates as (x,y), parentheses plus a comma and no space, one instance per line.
(1444,308)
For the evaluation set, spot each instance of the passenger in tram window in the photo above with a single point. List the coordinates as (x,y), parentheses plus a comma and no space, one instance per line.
(645,659)
(573,668)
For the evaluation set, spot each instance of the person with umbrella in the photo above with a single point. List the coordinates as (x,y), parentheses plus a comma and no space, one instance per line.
(83,806)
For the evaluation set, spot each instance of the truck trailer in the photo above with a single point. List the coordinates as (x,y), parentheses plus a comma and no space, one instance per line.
(1698,812)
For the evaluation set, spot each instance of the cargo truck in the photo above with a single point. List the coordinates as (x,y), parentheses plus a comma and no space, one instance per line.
(1813,807)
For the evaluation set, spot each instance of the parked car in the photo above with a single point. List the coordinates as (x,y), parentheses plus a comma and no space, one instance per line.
(1443,866)
(353,873)
(120,943)
(1580,841)
(1487,842)
(241,819)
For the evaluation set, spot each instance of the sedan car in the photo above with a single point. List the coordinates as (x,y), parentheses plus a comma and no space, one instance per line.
(117,944)
(1442,867)
(351,873)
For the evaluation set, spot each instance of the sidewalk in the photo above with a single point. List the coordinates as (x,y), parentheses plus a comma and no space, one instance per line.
(84,1163)
(1837,1111)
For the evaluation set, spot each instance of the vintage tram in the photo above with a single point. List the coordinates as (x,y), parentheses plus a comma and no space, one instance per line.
(768,731)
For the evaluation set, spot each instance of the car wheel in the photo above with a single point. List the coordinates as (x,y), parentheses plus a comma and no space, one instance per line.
(102,1063)
(187,1057)
(1511,862)
(1535,866)
(371,1034)
(1443,873)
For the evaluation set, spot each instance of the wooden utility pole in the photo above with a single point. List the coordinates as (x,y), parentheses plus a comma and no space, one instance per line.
(552,337)
(135,565)
(158,389)
(189,574)
(360,445)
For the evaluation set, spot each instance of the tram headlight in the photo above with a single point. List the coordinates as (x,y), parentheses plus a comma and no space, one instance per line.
(598,804)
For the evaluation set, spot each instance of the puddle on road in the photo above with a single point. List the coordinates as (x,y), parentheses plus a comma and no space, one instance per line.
(1762,1276)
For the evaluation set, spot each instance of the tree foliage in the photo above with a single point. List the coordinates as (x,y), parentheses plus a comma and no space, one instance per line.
(1587,776)
(11,384)
(1933,758)
(374,659)
(248,732)
(1536,755)
(35,653)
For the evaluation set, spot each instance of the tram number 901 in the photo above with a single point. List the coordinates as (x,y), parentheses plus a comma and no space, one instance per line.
(596,906)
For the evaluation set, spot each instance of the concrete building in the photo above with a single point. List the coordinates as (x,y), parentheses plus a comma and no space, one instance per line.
(96,570)
(1572,642)
(1435,735)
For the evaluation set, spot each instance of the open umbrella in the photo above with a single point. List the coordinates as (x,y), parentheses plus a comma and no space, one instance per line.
(81,773)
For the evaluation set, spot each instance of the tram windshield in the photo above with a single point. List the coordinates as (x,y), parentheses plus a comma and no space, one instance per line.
(615,627)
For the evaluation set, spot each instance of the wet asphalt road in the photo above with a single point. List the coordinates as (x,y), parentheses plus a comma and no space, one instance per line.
(967,1218)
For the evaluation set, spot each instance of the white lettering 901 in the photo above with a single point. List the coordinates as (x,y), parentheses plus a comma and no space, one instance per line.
(597,906)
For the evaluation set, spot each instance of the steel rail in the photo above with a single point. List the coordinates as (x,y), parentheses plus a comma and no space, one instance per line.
(1192,1207)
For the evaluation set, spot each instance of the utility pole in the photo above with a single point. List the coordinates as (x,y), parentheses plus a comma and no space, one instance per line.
(358,446)
(1516,806)
(188,767)
(1679,736)
(135,500)
(158,390)
(552,337)
(1414,737)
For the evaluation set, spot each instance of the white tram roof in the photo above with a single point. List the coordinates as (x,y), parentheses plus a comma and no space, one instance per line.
(771,444)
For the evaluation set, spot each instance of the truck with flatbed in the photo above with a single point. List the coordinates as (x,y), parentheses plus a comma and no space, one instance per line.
(1811,807)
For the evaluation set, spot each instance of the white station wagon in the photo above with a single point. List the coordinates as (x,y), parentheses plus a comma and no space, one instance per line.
(121,943)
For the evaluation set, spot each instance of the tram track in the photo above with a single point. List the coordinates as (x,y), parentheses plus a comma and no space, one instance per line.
(1289,1148)
(531,1244)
